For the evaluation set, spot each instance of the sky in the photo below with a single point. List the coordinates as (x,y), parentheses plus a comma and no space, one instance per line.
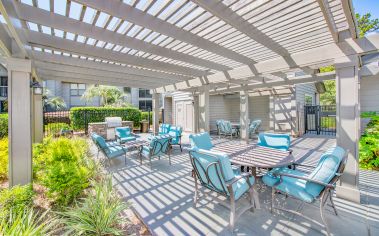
(367,6)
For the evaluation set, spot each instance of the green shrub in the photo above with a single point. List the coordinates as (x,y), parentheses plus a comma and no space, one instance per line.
(368,114)
(55,128)
(3,159)
(97,214)
(369,145)
(78,115)
(63,167)
(16,199)
(27,223)
(3,125)
(145,115)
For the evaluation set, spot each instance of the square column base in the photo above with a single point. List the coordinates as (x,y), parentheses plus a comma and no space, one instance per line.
(348,193)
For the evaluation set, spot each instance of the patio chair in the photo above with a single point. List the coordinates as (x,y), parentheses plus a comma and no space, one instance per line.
(109,149)
(201,141)
(159,145)
(176,134)
(164,129)
(228,130)
(124,134)
(214,172)
(309,187)
(277,141)
(254,127)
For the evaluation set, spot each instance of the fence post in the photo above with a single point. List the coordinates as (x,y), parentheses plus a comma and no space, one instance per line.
(148,119)
(85,122)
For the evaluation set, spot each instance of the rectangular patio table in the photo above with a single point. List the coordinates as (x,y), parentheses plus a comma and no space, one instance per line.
(263,157)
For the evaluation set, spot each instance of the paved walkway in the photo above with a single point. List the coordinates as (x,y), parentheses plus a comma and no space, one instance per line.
(162,197)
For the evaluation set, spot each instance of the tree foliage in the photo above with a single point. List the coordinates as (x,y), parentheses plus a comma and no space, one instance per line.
(109,95)
(366,24)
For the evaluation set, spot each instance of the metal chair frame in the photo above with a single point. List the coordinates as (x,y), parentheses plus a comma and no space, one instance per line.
(226,192)
(222,130)
(157,148)
(103,150)
(325,194)
(118,138)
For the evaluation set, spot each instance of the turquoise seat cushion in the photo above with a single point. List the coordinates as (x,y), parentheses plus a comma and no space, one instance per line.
(325,170)
(254,126)
(175,133)
(295,188)
(241,186)
(277,141)
(270,179)
(127,139)
(201,141)
(123,132)
(164,129)
(114,151)
(100,141)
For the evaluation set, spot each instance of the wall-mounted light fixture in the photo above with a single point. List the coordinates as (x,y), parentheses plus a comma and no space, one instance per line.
(37,88)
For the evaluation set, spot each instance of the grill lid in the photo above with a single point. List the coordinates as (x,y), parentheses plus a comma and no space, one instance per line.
(113,122)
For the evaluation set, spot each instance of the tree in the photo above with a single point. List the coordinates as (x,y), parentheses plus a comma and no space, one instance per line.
(56,103)
(366,24)
(109,95)
(329,97)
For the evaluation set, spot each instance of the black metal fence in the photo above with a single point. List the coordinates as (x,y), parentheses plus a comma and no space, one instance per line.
(54,122)
(320,119)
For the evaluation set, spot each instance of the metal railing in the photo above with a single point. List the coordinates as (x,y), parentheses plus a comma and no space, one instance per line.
(320,119)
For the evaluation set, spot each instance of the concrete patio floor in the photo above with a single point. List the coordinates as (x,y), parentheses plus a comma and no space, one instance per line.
(162,197)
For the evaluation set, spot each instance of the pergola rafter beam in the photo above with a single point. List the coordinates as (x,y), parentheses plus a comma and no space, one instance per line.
(41,39)
(128,13)
(325,9)
(63,60)
(56,21)
(84,81)
(348,10)
(5,41)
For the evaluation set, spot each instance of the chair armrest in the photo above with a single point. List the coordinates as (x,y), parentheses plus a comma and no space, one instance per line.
(235,179)
(303,178)
(300,164)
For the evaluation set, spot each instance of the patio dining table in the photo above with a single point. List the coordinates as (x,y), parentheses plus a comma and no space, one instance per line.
(263,157)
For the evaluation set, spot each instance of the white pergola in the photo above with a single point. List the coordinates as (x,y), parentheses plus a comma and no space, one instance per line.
(198,46)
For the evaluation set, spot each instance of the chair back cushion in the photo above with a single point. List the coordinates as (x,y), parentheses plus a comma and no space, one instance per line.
(175,133)
(254,126)
(326,169)
(160,144)
(201,141)
(277,141)
(164,128)
(99,141)
(227,126)
(212,176)
(123,132)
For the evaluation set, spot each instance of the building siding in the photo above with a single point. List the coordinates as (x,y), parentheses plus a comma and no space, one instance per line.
(369,93)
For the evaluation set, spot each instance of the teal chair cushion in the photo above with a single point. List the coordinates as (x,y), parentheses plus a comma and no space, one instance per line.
(277,141)
(270,180)
(114,151)
(158,144)
(100,141)
(175,133)
(201,141)
(123,132)
(241,186)
(254,126)
(127,139)
(164,129)
(326,169)
(296,188)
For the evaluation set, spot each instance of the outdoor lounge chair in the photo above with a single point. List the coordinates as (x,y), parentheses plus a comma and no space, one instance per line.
(201,141)
(225,128)
(124,134)
(176,134)
(214,172)
(159,145)
(254,128)
(109,149)
(308,188)
(277,141)
(164,129)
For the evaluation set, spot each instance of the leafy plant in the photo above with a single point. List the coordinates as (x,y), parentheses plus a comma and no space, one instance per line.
(27,223)
(3,125)
(3,159)
(109,95)
(366,24)
(97,214)
(16,199)
(57,103)
(55,128)
(63,167)
(79,115)
(369,144)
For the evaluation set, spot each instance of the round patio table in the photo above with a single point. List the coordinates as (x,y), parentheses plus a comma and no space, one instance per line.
(263,157)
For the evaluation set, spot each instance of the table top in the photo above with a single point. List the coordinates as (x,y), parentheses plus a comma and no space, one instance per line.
(263,157)
(135,143)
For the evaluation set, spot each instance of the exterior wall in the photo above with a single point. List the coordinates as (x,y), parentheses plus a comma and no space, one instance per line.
(369,92)
(168,110)
(259,109)
(179,96)
(305,89)
(134,97)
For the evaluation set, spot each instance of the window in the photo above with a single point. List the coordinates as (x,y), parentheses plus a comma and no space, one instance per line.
(77,89)
(308,100)
(145,105)
(127,90)
(144,93)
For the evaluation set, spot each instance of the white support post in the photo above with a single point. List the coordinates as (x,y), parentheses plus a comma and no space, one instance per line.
(348,125)
(155,113)
(204,109)
(195,114)
(20,123)
(37,118)
(244,115)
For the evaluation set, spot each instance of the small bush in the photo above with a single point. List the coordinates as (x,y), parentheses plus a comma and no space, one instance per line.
(3,159)
(97,214)
(3,125)
(16,199)
(369,145)
(78,115)
(55,128)
(26,223)
(63,167)
(145,116)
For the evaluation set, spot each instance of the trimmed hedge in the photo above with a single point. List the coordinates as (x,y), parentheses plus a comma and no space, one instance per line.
(78,115)
(3,125)
(145,115)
